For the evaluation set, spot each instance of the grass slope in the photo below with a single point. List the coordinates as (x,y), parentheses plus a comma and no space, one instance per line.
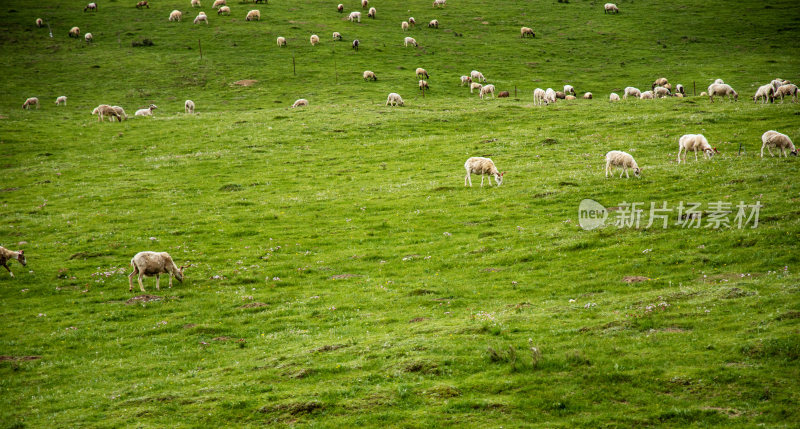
(390,294)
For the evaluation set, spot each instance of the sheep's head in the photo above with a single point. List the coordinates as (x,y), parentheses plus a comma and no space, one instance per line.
(711,151)
(637,172)
(499,178)
(179,274)
(94,112)
(794,152)
(153,107)
(21,257)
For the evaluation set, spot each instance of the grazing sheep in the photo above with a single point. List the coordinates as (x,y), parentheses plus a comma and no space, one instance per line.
(75,32)
(394,99)
(355,45)
(677,94)
(142,4)
(560,95)
(703,94)
(300,102)
(218,3)
(679,89)
(423,84)
(253,15)
(647,95)
(434,23)
(777,140)
(7,255)
(369,75)
(340,8)
(477,76)
(371,13)
(404,25)
(503,94)
(613,97)
(659,82)
(201,17)
(439,3)
(39,22)
(224,9)
(474,86)
(364,4)
(777,83)
(195,3)
(526,31)
(610,8)
(146,112)
(668,86)
(421,72)
(695,143)
(568,89)
(718,82)
(61,99)
(354,16)
(786,90)
(570,97)
(487,89)
(661,92)
(539,97)
(410,40)
(412,21)
(91,6)
(314,39)
(88,38)
(631,91)
(587,96)
(484,167)
(465,80)
(121,112)
(624,160)
(104,110)
(765,92)
(281,41)
(154,264)
(188,106)
(30,102)
(550,95)
(722,90)
(175,15)
(337,35)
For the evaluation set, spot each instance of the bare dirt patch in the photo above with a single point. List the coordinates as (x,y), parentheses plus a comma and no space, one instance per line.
(491,270)
(143,299)
(635,279)
(245,82)
(418,319)
(293,408)
(735,292)
(189,326)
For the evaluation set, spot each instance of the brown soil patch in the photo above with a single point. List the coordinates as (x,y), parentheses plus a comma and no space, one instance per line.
(294,408)
(635,279)
(18,358)
(730,412)
(491,270)
(735,292)
(254,305)
(418,319)
(245,82)
(221,339)
(189,326)
(329,347)
(143,299)
(343,276)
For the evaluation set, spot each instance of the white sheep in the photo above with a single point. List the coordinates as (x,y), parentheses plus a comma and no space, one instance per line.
(61,99)
(722,90)
(694,143)
(30,102)
(661,92)
(610,8)
(253,15)
(7,255)
(394,99)
(465,80)
(314,39)
(88,38)
(718,82)
(300,102)
(786,90)
(765,92)
(623,160)
(195,3)
(218,3)
(473,86)
(613,97)
(188,106)
(121,112)
(631,91)
(484,167)
(434,23)
(154,264)
(421,72)
(550,95)
(146,112)
(175,15)
(337,35)
(104,110)
(568,89)
(354,16)
(526,31)
(75,32)
(281,41)
(91,6)
(412,22)
(775,139)
(410,40)
(487,89)
(364,4)
(369,75)
(777,83)
(477,76)
(404,25)
(539,97)
(201,17)
(439,3)
(678,95)
(224,9)
(423,84)
(587,96)
(647,95)
(372,12)
(39,22)
(680,90)
(340,8)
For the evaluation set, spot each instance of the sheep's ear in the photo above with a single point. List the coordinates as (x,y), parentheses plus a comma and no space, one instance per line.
(502,174)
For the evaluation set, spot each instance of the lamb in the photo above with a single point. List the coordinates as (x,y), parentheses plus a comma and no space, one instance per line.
(412,21)
(695,143)
(104,110)
(526,31)
(484,167)
(477,76)
(356,44)
(91,6)
(364,4)
(439,3)
(218,3)
(337,35)
(88,38)
(722,90)
(550,95)
(587,96)
(777,140)
(175,15)
(661,92)
(142,4)
(570,97)
(465,79)
(539,97)
(314,40)
(146,112)
(487,89)
(201,17)
(680,90)
(631,91)
(188,106)
(434,23)
(195,3)
(410,40)
(300,102)
(423,84)
(61,99)
(624,160)
(340,8)
(369,75)
(154,264)
(354,16)
(473,86)
(785,90)
(30,102)
(703,94)
(662,81)
(503,94)
(613,97)
(281,41)
(253,15)
(224,9)
(39,22)
(121,112)
(7,255)
(404,25)
(610,8)
(568,89)
(75,32)
(421,72)
(766,92)
(371,13)
(394,99)
(647,95)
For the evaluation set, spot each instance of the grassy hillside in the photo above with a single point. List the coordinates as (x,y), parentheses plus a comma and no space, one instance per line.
(341,274)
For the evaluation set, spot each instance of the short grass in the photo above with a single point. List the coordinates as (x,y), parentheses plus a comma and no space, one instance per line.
(341,274)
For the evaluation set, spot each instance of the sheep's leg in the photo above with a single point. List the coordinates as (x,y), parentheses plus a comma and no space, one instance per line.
(170,280)
(482,177)
(769,149)
(695,155)
(466,179)
(783,152)
(130,280)
(608,164)
(679,154)
(626,173)
(762,150)
(141,286)
(158,278)
(9,269)
(621,172)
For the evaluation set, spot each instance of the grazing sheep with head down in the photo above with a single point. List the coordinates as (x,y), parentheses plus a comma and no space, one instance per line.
(477,76)
(473,86)
(465,80)
(218,3)
(526,31)
(680,90)
(483,167)
(253,15)
(88,37)
(765,92)
(7,255)
(394,99)
(61,99)
(587,96)
(613,97)
(539,97)
(777,83)
(142,4)
(568,89)
(787,90)
(409,40)
(487,89)
(677,94)
(439,3)
(421,72)
(372,12)
(121,112)
(404,25)
(91,6)
(154,264)
(662,81)
(356,44)
(224,10)
(300,102)
(340,8)
(623,160)
(75,32)
(201,17)
(610,8)
(412,22)
(39,22)
(570,97)
(550,95)
(423,84)
(369,75)
(631,91)
(104,110)
(188,106)
(146,112)
(661,92)
(337,35)
(775,139)
(647,95)
(503,94)
(695,143)
(30,102)
(175,15)
(722,90)
(281,41)
(195,3)
(718,81)
(434,23)
(560,95)
(354,16)
(314,39)
(364,4)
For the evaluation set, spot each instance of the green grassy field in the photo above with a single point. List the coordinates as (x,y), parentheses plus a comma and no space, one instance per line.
(341,274)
